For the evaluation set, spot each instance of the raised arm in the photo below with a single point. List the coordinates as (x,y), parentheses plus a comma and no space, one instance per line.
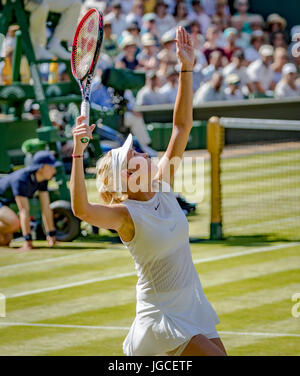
(109,217)
(183,111)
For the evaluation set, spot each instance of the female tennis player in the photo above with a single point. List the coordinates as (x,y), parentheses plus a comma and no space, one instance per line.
(173,316)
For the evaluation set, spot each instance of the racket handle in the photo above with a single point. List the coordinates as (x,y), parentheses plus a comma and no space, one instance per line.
(85,111)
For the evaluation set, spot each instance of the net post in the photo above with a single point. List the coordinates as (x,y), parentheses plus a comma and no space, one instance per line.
(215,145)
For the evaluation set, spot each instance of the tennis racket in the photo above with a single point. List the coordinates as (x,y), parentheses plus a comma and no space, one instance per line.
(84,57)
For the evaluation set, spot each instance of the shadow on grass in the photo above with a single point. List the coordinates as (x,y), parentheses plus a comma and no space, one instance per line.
(246,240)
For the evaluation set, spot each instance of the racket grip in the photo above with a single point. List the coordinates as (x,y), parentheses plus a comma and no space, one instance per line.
(85,111)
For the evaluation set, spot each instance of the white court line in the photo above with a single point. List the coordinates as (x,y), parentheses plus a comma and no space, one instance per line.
(98,327)
(60,258)
(117,276)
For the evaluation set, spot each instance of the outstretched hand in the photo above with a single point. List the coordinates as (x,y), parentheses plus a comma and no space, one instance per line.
(185,49)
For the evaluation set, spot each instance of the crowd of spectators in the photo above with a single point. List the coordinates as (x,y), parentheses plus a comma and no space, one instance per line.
(239,54)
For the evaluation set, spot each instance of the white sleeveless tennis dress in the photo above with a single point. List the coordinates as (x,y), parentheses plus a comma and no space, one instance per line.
(171,305)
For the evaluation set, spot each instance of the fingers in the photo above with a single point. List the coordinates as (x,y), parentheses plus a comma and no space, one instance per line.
(80,119)
(84,130)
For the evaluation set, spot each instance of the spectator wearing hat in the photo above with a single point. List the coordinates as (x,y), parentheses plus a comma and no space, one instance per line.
(230,36)
(149,26)
(288,87)
(257,40)
(169,90)
(261,75)
(280,59)
(233,90)
(128,58)
(147,58)
(238,66)
(149,94)
(110,41)
(18,187)
(275,23)
(117,18)
(164,20)
(210,91)
(134,30)
(180,12)
(198,14)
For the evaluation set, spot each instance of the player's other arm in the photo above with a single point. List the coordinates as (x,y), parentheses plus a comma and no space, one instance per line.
(183,111)
(47,215)
(24,213)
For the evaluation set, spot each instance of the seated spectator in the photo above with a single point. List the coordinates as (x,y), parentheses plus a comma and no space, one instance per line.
(127,6)
(149,94)
(128,59)
(215,65)
(197,14)
(222,11)
(243,39)
(149,26)
(242,7)
(164,20)
(197,37)
(275,23)
(260,72)
(39,10)
(134,30)
(169,90)
(117,18)
(210,91)
(137,12)
(257,40)
(233,90)
(256,22)
(211,44)
(147,58)
(209,7)
(288,87)
(110,43)
(166,59)
(279,39)
(280,59)
(238,66)
(168,44)
(180,12)
(230,36)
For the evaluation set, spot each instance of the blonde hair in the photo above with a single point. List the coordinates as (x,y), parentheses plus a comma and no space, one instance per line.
(105,181)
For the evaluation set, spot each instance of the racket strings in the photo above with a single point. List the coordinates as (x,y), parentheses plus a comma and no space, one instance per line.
(85,46)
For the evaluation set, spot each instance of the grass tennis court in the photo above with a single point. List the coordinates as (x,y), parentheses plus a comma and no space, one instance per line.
(79,298)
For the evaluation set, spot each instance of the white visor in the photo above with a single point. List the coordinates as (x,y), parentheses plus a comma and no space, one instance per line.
(119,155)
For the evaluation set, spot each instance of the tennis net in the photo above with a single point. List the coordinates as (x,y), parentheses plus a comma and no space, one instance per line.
(260,178)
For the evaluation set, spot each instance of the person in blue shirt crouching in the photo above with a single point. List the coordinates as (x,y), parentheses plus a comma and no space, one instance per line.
(18,187)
